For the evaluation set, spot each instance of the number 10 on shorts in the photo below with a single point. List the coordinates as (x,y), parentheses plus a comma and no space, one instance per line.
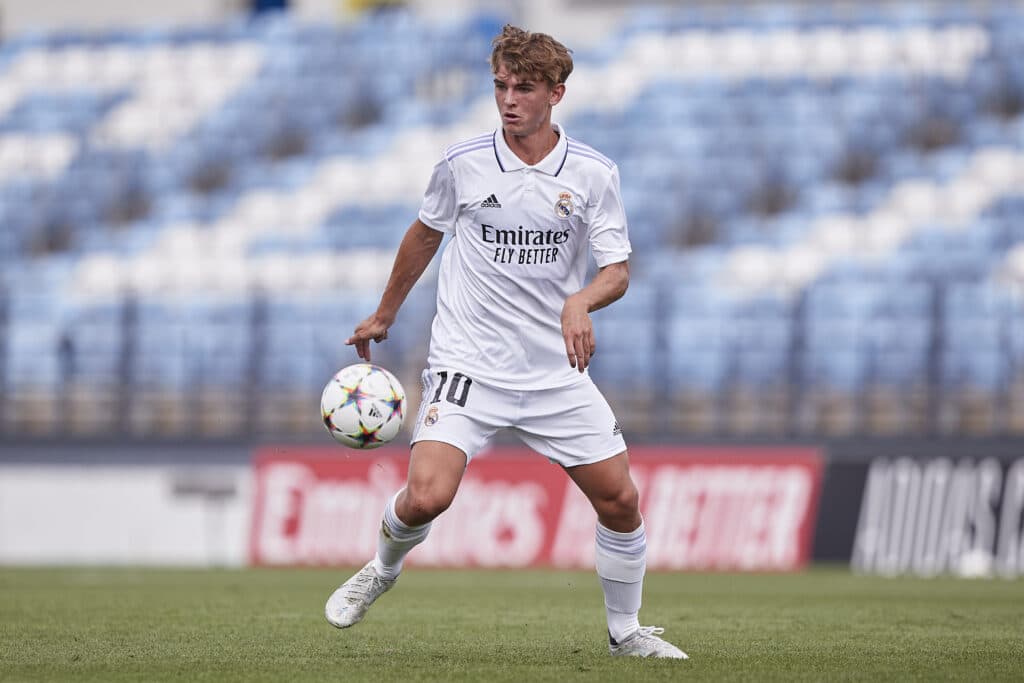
(454,395)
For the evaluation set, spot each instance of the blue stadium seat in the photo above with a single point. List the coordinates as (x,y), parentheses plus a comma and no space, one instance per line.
(694,153)
(838,370)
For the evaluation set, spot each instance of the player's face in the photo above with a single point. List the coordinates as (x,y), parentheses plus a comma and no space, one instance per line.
(524,102)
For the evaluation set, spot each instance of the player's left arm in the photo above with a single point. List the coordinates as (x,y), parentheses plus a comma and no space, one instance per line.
(608,285)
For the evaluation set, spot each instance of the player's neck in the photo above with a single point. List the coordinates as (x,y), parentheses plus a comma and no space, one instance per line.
(531,149)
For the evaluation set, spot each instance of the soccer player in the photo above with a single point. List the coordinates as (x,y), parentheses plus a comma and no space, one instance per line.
(525,206)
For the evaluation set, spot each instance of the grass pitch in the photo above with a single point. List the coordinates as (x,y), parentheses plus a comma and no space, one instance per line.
(268,625)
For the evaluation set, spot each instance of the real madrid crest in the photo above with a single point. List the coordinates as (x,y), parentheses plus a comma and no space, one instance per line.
(431,417)
(563,207)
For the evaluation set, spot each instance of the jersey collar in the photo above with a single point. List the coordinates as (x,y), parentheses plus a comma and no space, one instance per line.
(551,164)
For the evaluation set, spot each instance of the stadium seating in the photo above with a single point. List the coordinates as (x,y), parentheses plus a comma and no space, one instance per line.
(825,207)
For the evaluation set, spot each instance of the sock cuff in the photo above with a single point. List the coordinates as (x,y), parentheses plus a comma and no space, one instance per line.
(621,556)
(627,544)
(620,568)
(398,529)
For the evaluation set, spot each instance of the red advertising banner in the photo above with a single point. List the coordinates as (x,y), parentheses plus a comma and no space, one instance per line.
(729,508)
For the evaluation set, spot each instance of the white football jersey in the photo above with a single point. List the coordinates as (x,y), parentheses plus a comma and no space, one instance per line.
(521,239)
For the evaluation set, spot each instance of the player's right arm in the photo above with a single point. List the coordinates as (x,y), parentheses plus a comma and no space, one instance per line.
(418,247)
(422,240)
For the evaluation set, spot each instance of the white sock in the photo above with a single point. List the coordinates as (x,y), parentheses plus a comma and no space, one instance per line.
(621,560)
(395,541)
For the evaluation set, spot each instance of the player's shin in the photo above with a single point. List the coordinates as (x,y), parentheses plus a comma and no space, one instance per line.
(395,541)
(621,560)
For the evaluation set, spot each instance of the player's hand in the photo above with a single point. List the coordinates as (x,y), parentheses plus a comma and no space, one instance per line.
(374,328)
(578,333)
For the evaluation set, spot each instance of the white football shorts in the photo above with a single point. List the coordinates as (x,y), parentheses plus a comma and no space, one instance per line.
(572,425)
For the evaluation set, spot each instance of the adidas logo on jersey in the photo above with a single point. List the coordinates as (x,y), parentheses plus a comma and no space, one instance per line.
(490,203)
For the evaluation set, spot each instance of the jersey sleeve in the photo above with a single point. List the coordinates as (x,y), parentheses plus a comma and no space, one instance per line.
(440,204)
(609,236)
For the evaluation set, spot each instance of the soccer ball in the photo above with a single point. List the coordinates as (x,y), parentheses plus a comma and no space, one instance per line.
(363,406)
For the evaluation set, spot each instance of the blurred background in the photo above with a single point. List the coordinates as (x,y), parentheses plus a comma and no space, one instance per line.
(200,199)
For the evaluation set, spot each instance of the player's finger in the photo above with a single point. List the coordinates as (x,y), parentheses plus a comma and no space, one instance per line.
(357,336)
(582,357)
(570,352)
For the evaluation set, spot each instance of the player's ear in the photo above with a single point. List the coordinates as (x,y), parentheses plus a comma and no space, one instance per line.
(556,94)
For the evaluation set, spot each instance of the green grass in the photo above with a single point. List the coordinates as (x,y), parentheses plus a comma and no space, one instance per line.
(252,625)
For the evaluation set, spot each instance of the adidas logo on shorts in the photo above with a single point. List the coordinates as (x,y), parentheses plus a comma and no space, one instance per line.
(490,203)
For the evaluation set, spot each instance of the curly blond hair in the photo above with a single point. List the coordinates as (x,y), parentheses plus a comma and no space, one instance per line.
(536,55)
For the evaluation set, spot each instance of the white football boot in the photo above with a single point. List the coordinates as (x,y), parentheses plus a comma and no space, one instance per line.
(347,605)
(645,643)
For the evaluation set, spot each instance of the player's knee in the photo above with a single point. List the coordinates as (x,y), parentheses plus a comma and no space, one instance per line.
(622,505)
(628,501)
(424,503)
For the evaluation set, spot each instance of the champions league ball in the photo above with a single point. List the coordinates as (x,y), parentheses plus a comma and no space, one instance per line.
(363,406)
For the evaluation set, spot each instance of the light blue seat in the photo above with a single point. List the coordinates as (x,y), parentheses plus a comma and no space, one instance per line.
(160,358)
(837,370)
(702,371)
(626,336)
(631,370)
(96,344)
(902,369)
(904,299)
(908,334)
(979,369)
(760,368)
(687,334)
(853,299)
(31,352)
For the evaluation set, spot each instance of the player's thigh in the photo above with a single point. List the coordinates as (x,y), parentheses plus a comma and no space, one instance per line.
(571,425)
(460,412)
